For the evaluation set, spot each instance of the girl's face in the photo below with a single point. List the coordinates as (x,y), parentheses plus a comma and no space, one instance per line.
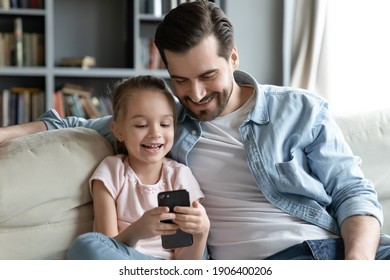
(147,127)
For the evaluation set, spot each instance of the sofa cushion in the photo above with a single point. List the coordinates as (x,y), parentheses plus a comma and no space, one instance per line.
(368,135)
(44,196)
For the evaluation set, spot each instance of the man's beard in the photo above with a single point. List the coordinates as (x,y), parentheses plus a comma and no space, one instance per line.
(222,99)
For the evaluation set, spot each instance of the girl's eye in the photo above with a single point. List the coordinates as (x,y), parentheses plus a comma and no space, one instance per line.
(140,125)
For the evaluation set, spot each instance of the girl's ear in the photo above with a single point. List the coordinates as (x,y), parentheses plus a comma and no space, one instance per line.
(116,130)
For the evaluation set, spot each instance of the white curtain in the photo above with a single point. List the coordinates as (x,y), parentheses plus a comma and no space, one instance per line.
(339,50)
(304,44)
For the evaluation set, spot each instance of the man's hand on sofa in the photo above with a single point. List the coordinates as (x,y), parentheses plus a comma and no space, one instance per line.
(15,131)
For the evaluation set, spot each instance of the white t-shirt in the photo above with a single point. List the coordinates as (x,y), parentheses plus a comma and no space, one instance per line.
(133,197)
(244,225)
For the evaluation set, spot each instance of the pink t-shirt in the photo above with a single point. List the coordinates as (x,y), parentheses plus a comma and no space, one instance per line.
(133,197)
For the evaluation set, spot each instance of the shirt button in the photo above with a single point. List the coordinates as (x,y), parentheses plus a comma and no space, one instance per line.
(193,132)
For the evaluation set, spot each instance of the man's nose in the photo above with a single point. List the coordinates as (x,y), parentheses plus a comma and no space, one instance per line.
(198,91)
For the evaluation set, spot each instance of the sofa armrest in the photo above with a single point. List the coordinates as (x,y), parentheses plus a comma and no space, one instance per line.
(368,135)
(44,195)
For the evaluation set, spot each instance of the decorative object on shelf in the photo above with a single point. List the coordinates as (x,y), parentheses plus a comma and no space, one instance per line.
(84,62)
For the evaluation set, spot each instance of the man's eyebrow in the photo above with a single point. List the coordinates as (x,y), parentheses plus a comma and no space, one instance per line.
(177,77)
(202,74)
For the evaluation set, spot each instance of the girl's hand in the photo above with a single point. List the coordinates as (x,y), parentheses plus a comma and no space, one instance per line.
(150,224)
(193,219)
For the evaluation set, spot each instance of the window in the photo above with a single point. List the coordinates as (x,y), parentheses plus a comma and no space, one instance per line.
(358,55)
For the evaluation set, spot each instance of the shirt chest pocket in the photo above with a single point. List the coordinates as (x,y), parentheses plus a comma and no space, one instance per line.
(293,179)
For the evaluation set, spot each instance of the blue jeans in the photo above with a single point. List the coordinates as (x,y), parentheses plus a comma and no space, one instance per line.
(324,249)
(97,246)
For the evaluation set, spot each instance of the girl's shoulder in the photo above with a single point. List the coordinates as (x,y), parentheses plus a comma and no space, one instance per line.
(118,159)
(115,163)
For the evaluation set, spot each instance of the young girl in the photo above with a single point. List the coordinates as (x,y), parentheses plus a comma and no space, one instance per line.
(125,187)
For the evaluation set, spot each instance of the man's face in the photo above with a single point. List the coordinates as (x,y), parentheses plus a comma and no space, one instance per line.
(202,80)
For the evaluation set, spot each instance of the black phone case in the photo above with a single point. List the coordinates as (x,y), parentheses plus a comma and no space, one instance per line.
(172,199)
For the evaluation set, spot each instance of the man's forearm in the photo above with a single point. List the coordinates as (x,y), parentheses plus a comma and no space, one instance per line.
(15,131)
(361,237)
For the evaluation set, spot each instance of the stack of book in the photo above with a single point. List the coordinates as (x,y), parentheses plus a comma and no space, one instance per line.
(20,48)
(75,100)
(150,57)
(20,105)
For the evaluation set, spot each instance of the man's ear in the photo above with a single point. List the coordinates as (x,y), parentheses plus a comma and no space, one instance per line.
(115,127)
(234,58)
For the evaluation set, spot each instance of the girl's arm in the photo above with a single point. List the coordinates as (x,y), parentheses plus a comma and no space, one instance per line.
(104,209)
(147,226)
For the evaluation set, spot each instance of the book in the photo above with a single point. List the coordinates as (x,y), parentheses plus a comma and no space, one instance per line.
(7,41)
(90,110)
(5,107)
(84,62)
(69,88)
(4,4)
(32,49)
(26,104)
(37,105)
(79,101)
(58,103)
(18,30)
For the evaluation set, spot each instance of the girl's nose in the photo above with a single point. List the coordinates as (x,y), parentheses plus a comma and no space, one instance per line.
(155,131)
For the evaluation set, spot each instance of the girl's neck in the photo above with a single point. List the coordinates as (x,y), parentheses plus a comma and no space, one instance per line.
(148,174)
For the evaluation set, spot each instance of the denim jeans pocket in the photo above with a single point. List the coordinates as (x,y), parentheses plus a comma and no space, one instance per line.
(326,249)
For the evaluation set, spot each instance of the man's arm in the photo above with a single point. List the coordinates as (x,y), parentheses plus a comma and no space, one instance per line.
(361,236)
(15,131)
(51,120)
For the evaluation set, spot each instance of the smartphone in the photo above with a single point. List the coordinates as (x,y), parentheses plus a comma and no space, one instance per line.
(172,199)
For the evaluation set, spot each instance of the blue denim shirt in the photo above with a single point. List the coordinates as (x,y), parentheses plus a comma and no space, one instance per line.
(295,150)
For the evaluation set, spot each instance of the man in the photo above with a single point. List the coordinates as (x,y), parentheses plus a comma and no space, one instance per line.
(279,180)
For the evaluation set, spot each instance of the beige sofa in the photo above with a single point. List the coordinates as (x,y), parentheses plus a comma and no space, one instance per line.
(45,201)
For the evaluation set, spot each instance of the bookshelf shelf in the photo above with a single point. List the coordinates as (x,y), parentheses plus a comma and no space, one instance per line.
(23,12)
(106,72)
(117,33)
(22,71)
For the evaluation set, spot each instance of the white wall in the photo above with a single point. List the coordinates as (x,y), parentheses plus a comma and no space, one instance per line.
(258,30)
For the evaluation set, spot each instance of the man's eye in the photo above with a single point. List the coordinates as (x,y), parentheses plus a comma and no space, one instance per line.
(209,76)
(180,81)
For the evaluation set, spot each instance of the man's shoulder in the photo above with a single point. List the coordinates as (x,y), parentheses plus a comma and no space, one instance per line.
(289,96)
(290,92)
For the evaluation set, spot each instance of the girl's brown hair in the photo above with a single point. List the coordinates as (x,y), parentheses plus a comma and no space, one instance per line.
(123,89)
